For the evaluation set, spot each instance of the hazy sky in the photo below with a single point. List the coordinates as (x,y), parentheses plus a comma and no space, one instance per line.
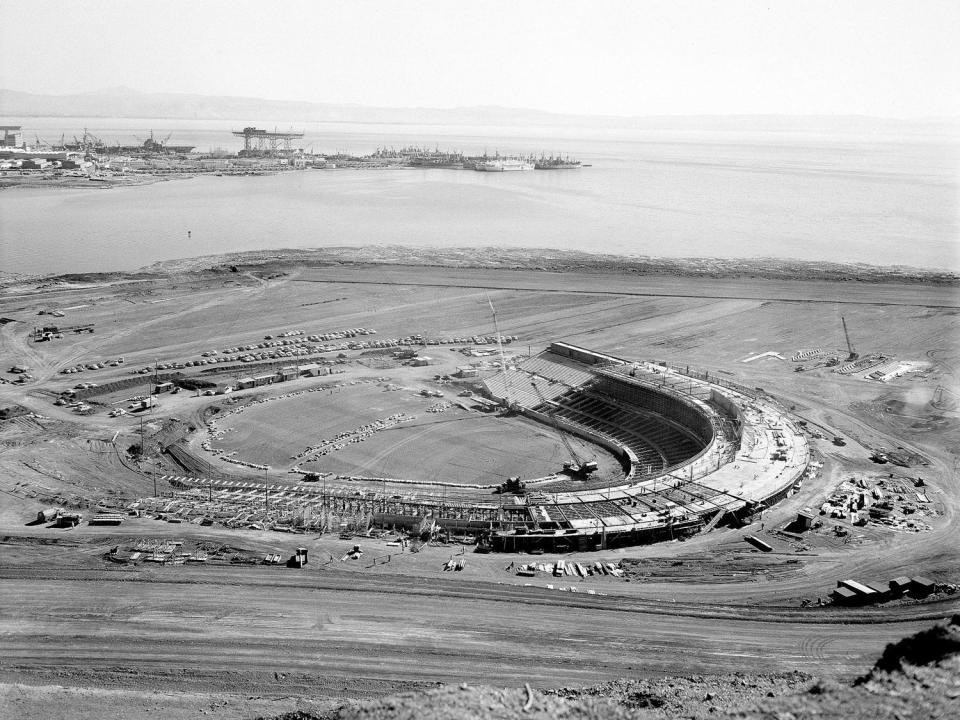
(631,57)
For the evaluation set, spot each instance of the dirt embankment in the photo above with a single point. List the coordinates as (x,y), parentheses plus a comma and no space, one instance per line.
(554,261)
(916,677)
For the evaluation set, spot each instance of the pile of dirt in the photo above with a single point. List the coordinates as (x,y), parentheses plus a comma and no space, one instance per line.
(466,702)
(697,696)
(928,647)
(12,411)
(916,677)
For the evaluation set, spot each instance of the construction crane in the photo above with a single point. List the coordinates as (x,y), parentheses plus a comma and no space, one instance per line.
(578,466)
(853,353)
(503,360)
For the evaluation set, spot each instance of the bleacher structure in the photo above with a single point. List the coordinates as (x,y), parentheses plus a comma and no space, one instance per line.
(674,433)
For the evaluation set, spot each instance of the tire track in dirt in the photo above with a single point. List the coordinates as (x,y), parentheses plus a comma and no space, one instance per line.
(386,452)
(478,635)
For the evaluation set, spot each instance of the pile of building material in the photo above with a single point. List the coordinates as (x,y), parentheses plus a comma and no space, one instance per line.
(456,564)
(569,567)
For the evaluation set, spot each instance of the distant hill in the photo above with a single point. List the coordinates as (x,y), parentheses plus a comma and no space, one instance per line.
(124,102)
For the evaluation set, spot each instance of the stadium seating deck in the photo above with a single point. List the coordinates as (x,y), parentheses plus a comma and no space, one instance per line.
(558,369)
(656,441)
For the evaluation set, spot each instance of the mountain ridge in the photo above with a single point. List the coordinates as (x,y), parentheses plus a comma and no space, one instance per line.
(126,102)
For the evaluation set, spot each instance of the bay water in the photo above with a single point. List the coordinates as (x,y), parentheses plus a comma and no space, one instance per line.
(843,198)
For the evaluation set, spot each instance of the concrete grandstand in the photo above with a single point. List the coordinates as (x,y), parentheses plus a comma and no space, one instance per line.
(694,450)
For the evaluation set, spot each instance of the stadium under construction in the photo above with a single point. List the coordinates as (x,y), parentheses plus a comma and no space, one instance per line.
(694,450)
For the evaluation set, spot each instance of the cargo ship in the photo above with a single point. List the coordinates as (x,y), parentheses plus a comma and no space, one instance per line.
(436,160)
(502,165)
(415,156)
(555,163)
(93,145)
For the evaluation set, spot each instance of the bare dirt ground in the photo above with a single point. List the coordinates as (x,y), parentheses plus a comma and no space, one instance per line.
(238,641)
(431,439)
(916,677)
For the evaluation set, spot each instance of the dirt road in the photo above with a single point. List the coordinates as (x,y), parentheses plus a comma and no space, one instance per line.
(398,629)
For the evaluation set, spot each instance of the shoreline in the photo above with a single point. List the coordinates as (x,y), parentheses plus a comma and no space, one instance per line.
(537,260)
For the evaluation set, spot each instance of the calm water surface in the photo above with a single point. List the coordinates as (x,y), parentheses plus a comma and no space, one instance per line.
(718,195)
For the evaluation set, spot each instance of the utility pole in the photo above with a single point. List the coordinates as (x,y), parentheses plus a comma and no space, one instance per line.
(154,472)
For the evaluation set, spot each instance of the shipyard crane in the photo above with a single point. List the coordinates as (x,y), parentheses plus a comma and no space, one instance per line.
(853,354)
(578,466)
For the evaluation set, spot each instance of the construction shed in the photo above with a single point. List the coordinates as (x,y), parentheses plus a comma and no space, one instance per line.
(259,380)
(288,373)
(310,370)
(421,361)
(864,594)
(245,383)
(844,596)
(899,585)
(882,592)
(68,520)
(805,519)
(921,586)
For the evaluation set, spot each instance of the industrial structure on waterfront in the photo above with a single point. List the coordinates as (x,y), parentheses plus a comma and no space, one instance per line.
(263,143)
(89,156)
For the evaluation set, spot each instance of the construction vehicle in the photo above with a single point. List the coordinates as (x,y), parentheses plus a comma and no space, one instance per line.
(853,353)
(578,467)
(839,441)
(879,456)
(483,543)
(298,559)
